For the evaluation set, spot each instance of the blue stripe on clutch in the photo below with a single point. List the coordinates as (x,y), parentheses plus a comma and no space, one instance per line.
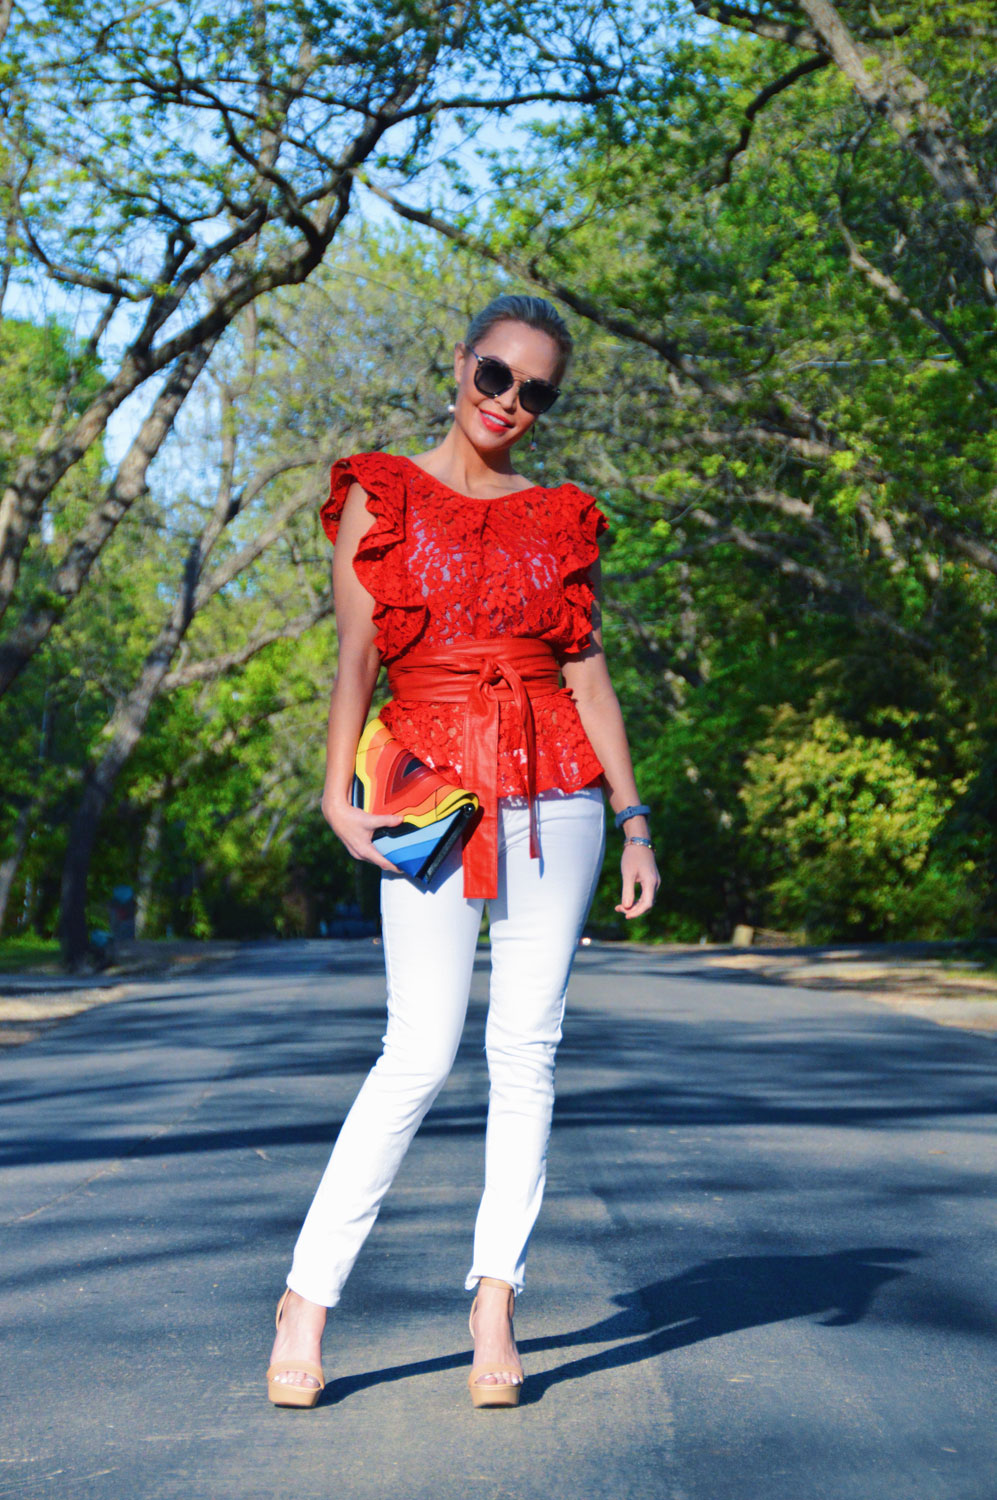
(419,852)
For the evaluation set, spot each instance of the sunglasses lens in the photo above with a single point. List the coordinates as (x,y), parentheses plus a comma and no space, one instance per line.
(492,376)
(537,396)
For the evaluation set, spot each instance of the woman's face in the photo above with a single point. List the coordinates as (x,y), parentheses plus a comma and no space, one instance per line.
(494,423)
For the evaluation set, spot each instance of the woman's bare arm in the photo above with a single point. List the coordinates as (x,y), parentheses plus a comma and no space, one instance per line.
(587,678)
(356,675)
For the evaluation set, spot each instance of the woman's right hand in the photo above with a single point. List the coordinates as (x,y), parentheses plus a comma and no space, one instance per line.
(355,828)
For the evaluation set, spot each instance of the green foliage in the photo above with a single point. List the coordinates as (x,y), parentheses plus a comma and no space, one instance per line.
(27,953)
(37,363)
(851,824)
(800,462)
(787,412)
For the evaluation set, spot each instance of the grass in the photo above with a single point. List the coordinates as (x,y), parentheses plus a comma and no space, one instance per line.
(22,954)
(974,958)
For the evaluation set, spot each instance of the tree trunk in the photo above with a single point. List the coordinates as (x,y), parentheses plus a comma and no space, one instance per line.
(76,872)
(10,866)
(128,485)
(148,862)
(124,731)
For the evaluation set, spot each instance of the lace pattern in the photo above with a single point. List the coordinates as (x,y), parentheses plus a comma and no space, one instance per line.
(444,567)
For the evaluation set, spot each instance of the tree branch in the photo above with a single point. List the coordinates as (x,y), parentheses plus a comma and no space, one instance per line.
(625,328)
(817,579)
(748,20)
(129,483)
(248,554)
(212,667)
(925,129)
(40,472)
(771,90)
(882,282)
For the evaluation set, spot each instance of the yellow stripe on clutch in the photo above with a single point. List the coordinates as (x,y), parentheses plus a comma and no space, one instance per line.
(433,808)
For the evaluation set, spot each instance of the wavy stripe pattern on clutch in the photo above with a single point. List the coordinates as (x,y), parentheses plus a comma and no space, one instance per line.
(389,779)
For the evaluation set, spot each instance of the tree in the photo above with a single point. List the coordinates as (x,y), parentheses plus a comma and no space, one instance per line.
(627,218)
(34,364)
(876,67)
(195,590)
(850,821)
(784,401)
(795,436)
(170,167)
(293,395)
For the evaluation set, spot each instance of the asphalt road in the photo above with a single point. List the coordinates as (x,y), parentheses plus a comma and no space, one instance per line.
(765,1269)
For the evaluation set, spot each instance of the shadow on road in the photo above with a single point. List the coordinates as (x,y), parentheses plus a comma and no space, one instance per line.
(672,1068)
(709,1300)
(724,1296)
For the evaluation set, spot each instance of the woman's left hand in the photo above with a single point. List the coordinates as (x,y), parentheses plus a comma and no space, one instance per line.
(639,869)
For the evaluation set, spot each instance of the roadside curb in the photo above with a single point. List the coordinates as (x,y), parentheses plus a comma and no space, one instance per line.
(31,1003)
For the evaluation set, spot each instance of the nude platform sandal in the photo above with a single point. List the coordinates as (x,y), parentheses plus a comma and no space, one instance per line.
(282,1394)
(493,1395)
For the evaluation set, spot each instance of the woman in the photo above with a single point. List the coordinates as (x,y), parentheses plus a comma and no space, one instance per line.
(464,578)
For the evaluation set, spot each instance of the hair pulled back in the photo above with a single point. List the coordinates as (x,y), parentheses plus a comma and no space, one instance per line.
(535,312)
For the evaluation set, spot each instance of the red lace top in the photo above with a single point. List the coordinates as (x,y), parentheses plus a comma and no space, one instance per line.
(444,567)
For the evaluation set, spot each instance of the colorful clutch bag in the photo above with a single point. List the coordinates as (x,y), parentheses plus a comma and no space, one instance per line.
(390,779)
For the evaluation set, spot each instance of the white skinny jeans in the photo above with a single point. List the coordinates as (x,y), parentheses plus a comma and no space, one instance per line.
(429,946)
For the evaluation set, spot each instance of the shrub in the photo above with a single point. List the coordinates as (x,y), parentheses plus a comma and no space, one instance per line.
(851,826)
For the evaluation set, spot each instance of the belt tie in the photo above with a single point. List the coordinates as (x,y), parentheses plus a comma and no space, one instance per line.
(481,675)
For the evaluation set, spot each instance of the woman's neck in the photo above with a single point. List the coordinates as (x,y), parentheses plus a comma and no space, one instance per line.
(464,468)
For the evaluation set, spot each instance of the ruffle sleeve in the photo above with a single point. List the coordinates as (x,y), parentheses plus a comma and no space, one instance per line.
(400,612)
(582,524)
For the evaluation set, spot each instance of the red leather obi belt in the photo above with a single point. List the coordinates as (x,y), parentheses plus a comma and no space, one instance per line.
(481,675)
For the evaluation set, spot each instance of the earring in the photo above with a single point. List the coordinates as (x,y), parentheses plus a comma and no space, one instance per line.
(533,437)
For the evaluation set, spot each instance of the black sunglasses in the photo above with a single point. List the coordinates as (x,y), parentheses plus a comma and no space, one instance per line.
(492,377)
